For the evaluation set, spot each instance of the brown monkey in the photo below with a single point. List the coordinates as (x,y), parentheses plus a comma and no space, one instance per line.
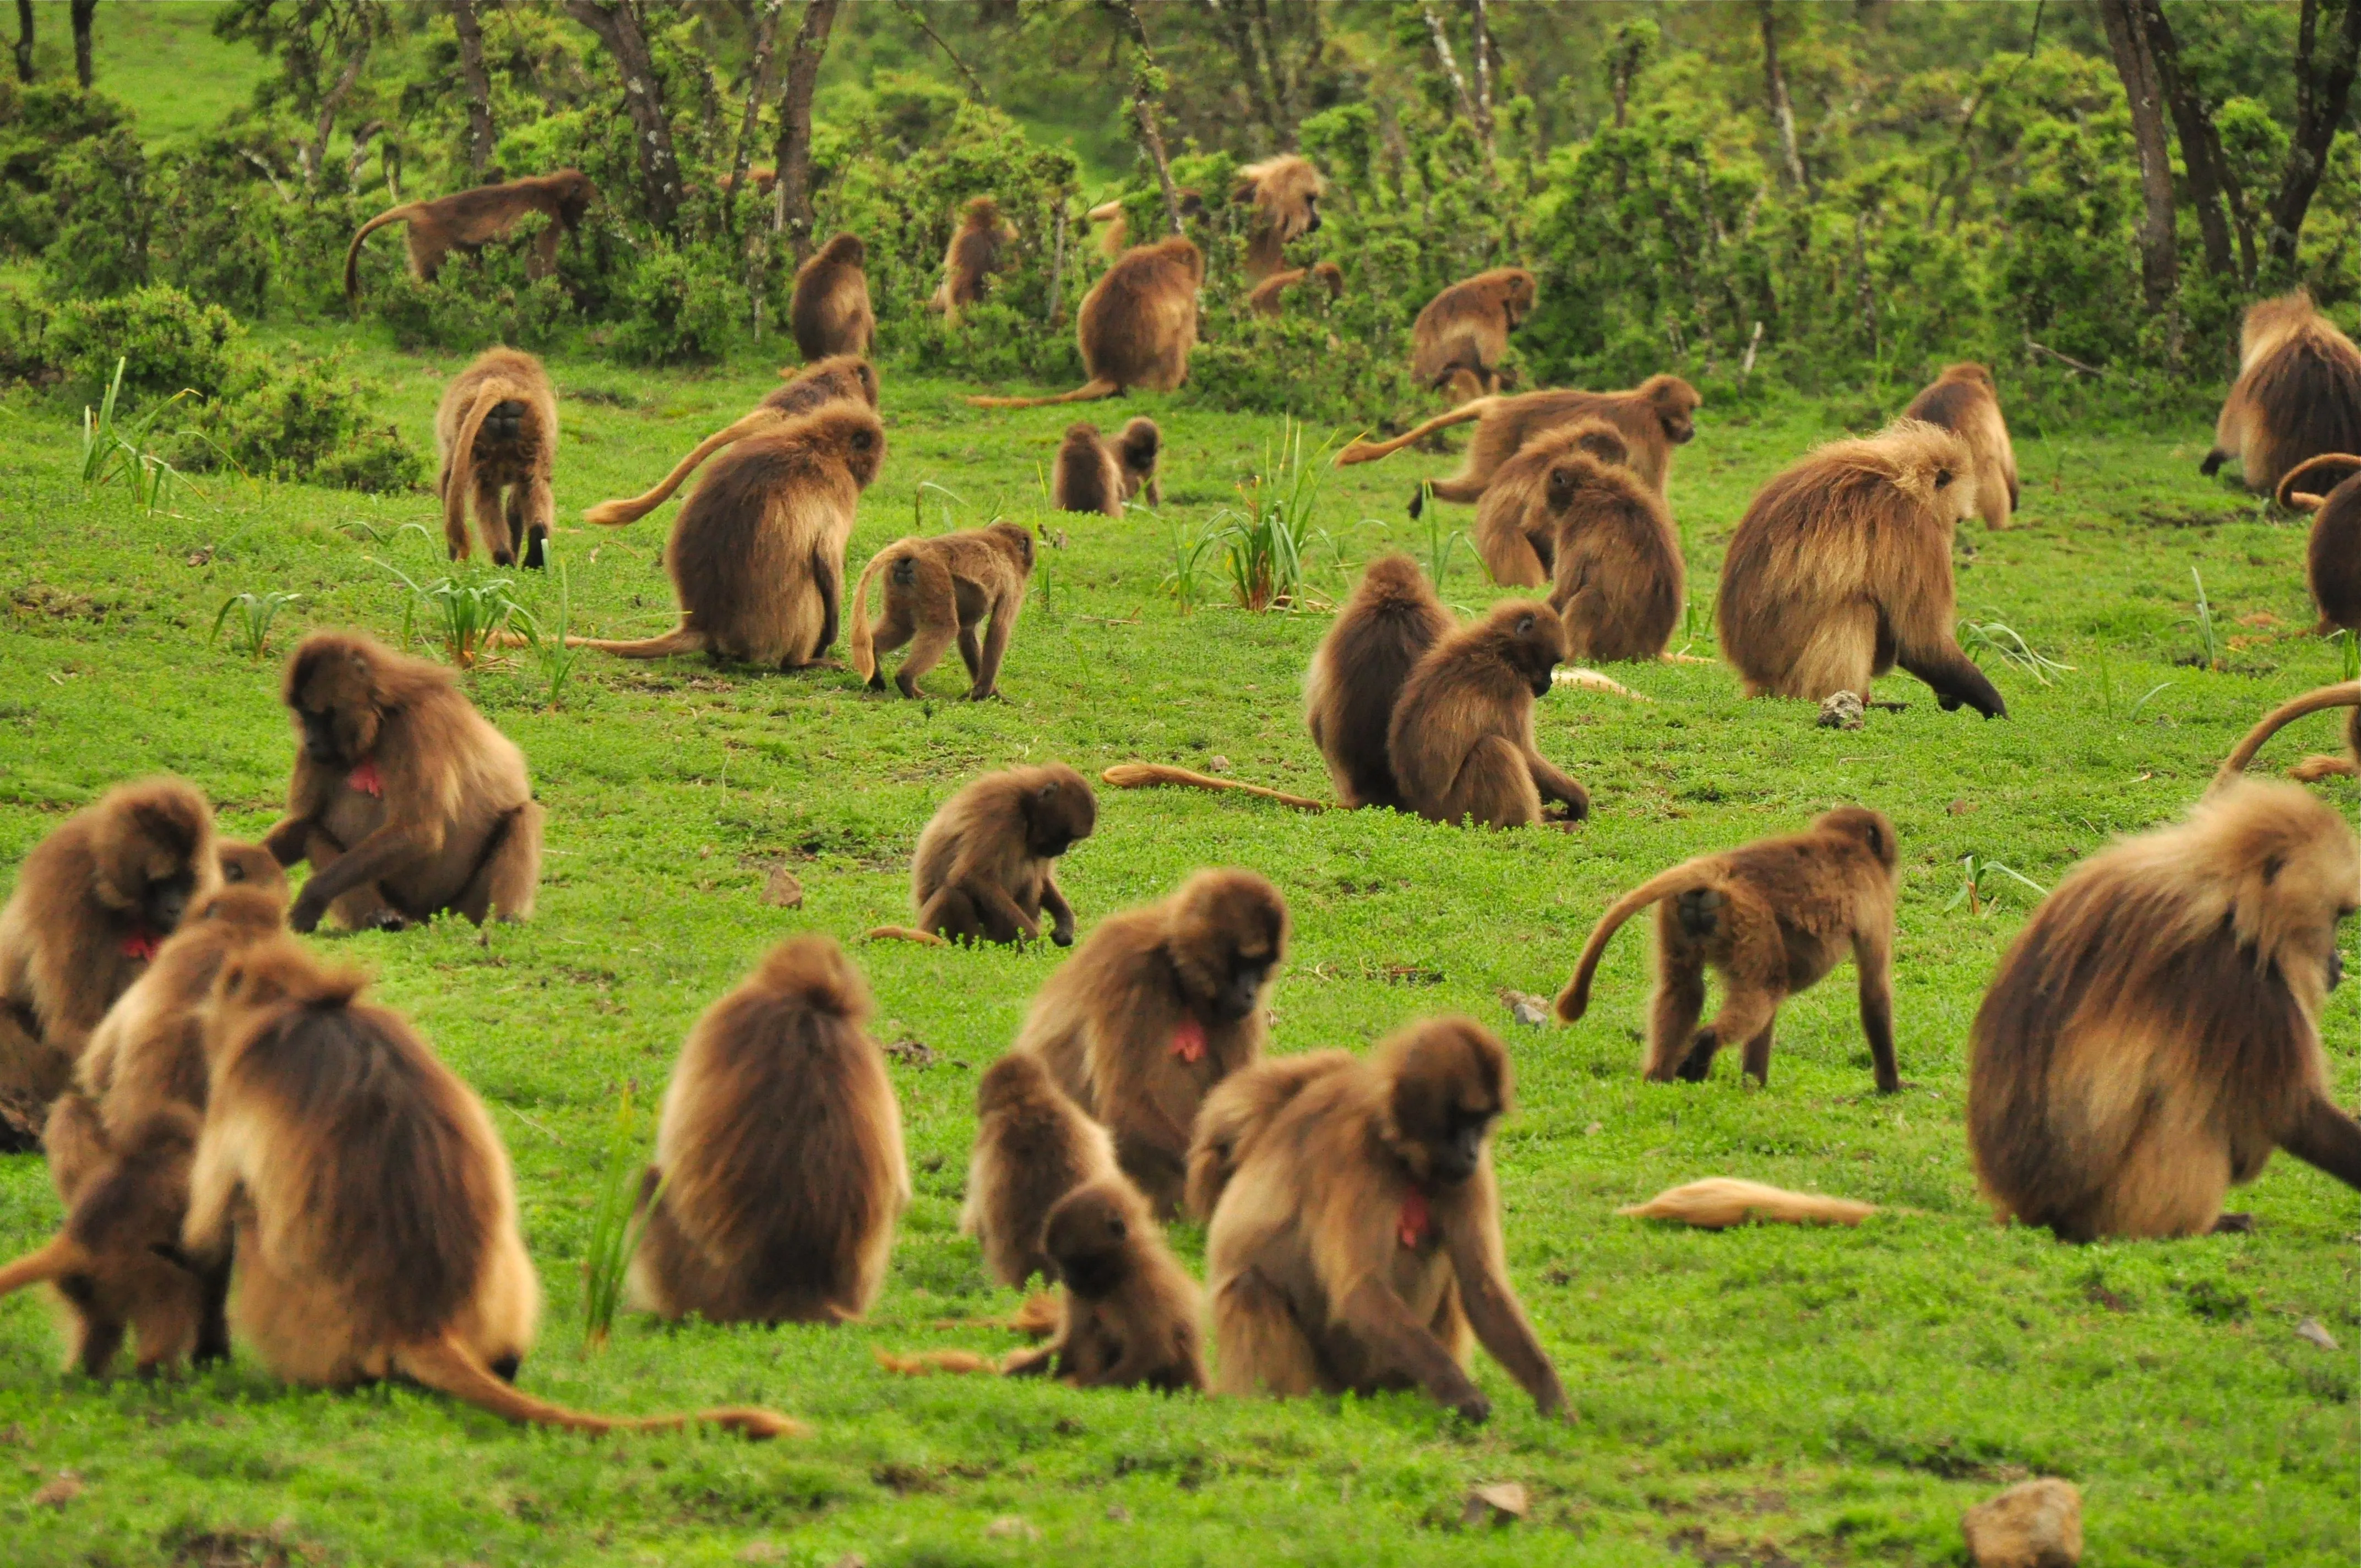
(243,864)
(93,902)
(2298,393)
(1136,327)
(1965,401)
(405,798)
(1161,1003)
(1621,585)
(828,311)
(1516,525)
(939,590)
(1841,569)
(986,862)
(757,553)
(1460,739)
(1773,917)
(1285,192)
(472,218)
(843,378)
(1359,671)
(2328,487)
(1264,299)
(1115,229)
(497,431)
(1360,1239)
(779,1171)
(1128,1318)
(1092,475)
(361,1188)
(1654,417)
(2347,694)
(1457,341)
(1238,1112)
(977,251)
(1033,1145)
(2153,1032)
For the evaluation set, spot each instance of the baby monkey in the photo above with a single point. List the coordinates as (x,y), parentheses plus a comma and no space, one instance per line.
(1129,1319)
(940,589)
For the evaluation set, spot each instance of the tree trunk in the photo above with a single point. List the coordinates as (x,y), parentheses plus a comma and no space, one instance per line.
(325,126)
(1774,84)
(81,12)
(1057,259)
(24,40)
(1450,63)
(1479,59)
(2201,145)
(758,87)
(2160,254)
(617,22)
(794,212)
(2319,107)
(1145,78)
(479,85)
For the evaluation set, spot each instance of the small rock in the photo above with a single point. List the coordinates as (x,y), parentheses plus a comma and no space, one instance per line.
(1842,710)
(1960,807)
(2036,1525)
(1009,1526)
(784,890)
(1498,1502)
(1118,1513)
(1526,1008)
(919,1054)
(2311,1328)
(1217,763)
(60,1492)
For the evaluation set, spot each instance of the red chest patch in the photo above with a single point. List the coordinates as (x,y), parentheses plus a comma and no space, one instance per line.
(1417,1221)
(1189,1039)
(364,779)
(142,943)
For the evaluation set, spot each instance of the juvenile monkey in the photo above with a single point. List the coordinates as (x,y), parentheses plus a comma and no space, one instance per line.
(978,250)
(1654,417)
(757,555)
(1136,326)
(1458,339)
(2311,769)
(939,590)
(1841,569)
(1128,1318)
(1238,1112)
(986,862)
(1161,1003)
(497,431)
(1360,1240)
(2328,487)
(828,311)
(1516,525)
(1092,475)
(405,798)
(1265,298)
(368,1200)
(841,377)
(1619,584)
(470,219)
(2153,1034)
(1285,193)
(1358,671)
(1460,739)
(1033,1145)
(2298,393)
(1773,918)
(1965,401)
(244,864)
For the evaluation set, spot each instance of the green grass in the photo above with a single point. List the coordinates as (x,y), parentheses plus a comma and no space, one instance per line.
(1764,1397)
(160,55)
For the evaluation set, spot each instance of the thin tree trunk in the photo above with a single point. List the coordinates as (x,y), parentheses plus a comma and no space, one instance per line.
(81,12)
(1783,110)
(1479,59)
(1144,76)
(1450,62)
(325,126)
(2319,108)
(2201,145)
(794,212)
(758,87)
(617,22)
(479,85)
(1261,94)
(2159,253)
(24,40)
(1057,258)
(974,86)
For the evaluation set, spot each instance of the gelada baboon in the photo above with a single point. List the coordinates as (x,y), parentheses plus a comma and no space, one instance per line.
(244,864)
(843,378)
(2347,694)
(1457,341)
(1654,417)
(1284,192)
(471,219)
(1771,918)
(1033,1145)
(1136,327)
(1238,1112)
(497,431)
(1265,298)
(1965,401)
(1115,229)
(1358,671)
(1841,569)
(1360,1239)
(94,902)
(779,1172)
(1127,1318)
(1516,528)
(757,553)
(2298,393)
(986,862)
(1095,474)
(2328,487)
(1619,584)
(1161,1003)
(2153,1034)
(978,250)
(1460,739)
(828,311)
(937,591)
(406,800)
(365,1196)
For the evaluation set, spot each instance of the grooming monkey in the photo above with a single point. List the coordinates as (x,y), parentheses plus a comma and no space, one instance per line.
(1136,326)
(978,250)
(1128,1315)
(1093,474)
(1654,417)
(1358,671)
(1033,1145)
(1965,401)
(2347,694)
(757,553)
(1265,298)
(470,219)
(2328,487)
(828,311)
(1360,1240)
(986,862)
(367,1199)
(843,378)
(406,800)
(1516,525)
(497,431)
(1238,1112)
(1284,192)
(1458,338)
(2298,393)
(939,590)
(1619,584)
(1460,739)
(1160,1004)
(1773,918)
(1841,569)
(2153,1034)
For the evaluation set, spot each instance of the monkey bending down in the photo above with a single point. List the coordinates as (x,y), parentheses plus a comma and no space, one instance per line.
(1461,737)
(1265,298)
(497,431)
(1033,1145)
(1285,194)
(471,218)
(987,861)
(1128,1315)
(2298,393)
(1093,474)
(843,378)
(1654,418)
(937,591)
(977,251)
(1136,326)
(1458,338)
(1965,401)
(1357,674)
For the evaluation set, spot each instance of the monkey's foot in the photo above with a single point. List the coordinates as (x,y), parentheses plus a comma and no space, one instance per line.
(1700,1057)
(536,554)
(2234,1225)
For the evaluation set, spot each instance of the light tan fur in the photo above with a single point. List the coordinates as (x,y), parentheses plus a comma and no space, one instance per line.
(470,219)
(1284,192)
(2311,769)
(843,378)
(1237,1113)
(1033,1145)
(1965,401)
(2298,393)
(497,431)
(1458,339)
(985,866)
(1151,776)
(1654,417)
(1718,1203)
(1267,298)
(1461,740)
(1136,326)
(828,311)
(937,591)
(978,249)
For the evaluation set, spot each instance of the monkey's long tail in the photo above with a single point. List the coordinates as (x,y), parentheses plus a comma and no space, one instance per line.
(460,481)
(858,639)
(1720,1202)
(926,1363)
(615,513)
(904,934)
(1088,391)
(61,1256)
(353,251)
(680,640)
(1146,776)
(2346,694)
(445,1366)
(2319,476)
(1574,1000)
(1370,451)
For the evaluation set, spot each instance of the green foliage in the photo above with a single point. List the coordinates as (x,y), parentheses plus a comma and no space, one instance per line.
(681,307)
(465,617)
(38,124)
(113,449)
(165,341)
(255,613)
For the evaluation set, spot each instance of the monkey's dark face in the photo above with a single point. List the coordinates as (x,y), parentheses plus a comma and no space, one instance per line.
(330,700)
(1675,402)
(165,899)
(1451,1084)
(1057,813)
(1310,214)
(574,197)
(1534,640)
(148,866)
(1089,1236)
(1228,935)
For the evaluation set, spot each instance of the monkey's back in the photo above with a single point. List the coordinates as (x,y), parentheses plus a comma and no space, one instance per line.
(1138,325)
(1086,478)
(2306,391)
(1621,583)
(1466,325)
(2332,555)
(1358,674)
(1026,1158)
(1450,702)
(767,518)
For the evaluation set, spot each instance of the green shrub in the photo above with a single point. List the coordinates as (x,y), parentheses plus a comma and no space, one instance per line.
(171,340)
(296,418)
(680,307)
(37,122)
(472,303)
(377,458)
(100,187)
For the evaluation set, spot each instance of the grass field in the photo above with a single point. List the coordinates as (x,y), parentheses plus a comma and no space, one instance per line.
(1757,1398)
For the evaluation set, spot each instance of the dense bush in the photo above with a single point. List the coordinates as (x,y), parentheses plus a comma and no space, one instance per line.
(167,341)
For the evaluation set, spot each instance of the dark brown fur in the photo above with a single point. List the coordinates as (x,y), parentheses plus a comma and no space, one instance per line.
(1621,585)
(497,431)
(1654,417)
(2298,393)
(1458,339)
(1137,325)
(978,250)
(1238,1112)
(1358,671)
(1516,527)
(1266,299)
(1127,1317)
(1033,1145)
(841,378)
(1965,401)
(937,591)
(1095,474)
(2328,487)
(986,864)
(828,311)
(1461,740)
(470,219)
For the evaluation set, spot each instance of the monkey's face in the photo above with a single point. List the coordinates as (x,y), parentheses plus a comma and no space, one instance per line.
(148,868)
(1228,932)
(331,701)
(1451,1083)
(1536,645)
(1057,813)
(1089,1236)
(574,197)
(1676,402)
(861,441)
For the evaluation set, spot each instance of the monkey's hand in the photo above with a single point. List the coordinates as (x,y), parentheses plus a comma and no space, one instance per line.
(1475,1407)
(304,917)
(1062,933)
(1947,702)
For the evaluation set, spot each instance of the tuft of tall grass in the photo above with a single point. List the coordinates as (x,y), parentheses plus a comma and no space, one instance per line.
(469,617)
(1263,547)
(2205,623)
(548,643)
(618,1220)
(1188,581)
(1442,544)
(112,449)
(255,613)
(2002,639)
(1977,884)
